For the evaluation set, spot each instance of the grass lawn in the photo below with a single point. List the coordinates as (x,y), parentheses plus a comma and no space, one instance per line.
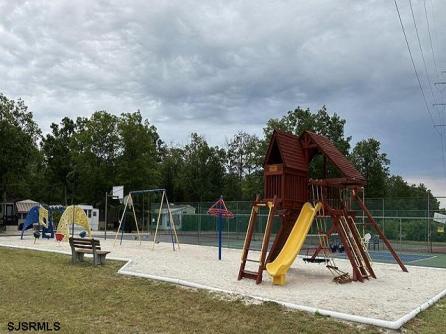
(40,286)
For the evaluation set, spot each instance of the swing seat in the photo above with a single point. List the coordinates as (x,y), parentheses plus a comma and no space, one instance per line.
(332,267)
(342,279)
(316,260)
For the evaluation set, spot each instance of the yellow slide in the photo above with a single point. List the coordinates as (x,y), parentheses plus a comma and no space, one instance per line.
(279,267)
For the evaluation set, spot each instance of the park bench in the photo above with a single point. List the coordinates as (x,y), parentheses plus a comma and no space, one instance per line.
(80,246)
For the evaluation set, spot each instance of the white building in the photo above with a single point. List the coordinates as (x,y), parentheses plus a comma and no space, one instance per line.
(22,209)
(92,215)
(177,213)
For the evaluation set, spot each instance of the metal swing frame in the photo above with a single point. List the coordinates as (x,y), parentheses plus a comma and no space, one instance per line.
(129,202)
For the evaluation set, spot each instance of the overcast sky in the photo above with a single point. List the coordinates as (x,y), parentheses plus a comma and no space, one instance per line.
(217,67)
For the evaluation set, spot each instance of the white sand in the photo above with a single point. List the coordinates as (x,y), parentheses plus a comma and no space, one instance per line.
(389,297)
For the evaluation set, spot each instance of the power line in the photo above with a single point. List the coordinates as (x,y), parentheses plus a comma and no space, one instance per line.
(440,133)
(441,114)
(421,49)
(413,64)
(430,36)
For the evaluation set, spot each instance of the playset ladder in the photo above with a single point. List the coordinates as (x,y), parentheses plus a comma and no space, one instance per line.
(257,275)
(356,253)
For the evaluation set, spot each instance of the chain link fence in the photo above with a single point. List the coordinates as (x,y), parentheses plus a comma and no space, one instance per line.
(407,222)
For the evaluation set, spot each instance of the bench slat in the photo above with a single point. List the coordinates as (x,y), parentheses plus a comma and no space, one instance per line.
(85,247)
(85,241)
(88,251)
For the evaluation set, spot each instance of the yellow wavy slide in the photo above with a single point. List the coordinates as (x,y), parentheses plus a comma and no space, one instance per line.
(279,267)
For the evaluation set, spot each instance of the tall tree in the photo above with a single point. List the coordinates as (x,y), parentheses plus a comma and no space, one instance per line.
(58,149)
(138,164)
(373,165)
(97,149)
(172,168)
(203,170)
(321,122)
(19,134)
(244,164)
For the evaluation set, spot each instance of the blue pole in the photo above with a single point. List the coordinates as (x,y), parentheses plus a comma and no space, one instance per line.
(220,223)
(220,228)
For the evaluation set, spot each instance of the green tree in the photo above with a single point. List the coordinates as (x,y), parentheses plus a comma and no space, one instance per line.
(97,148)
(138,164)
(244,161)
(373,165)
(58,148)
(300,120)
(19,154)
(203,170)
(172,168)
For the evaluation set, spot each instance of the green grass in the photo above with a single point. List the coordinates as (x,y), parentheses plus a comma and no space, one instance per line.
(38,286)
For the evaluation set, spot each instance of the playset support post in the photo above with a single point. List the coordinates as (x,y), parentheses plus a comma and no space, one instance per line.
(373,223)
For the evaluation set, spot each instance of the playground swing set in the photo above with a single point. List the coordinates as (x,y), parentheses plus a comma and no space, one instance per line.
(299,201)
(129,204)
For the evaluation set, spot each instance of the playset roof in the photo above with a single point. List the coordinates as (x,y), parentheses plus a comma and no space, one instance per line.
(290,149)
(327,148)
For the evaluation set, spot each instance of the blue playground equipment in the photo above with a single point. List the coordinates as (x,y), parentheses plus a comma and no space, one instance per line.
(38,216)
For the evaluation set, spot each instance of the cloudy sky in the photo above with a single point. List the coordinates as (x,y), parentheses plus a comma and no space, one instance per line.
(217,67)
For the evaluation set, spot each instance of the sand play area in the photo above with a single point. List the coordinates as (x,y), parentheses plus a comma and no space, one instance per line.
(388,301)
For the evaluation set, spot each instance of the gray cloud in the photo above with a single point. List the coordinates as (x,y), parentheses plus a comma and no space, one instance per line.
(223,66)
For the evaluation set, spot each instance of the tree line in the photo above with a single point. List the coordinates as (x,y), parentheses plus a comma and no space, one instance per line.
(81,159)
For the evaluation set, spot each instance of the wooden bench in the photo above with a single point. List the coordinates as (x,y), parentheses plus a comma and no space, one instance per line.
(79,247)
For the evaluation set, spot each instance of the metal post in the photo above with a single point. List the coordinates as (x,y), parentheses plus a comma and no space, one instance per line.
(228,233)
(363,214)
(143,215)
(105,218)
(199,222)
(384,219)
(72,221)
(220,227)
(429,227)
(401,234)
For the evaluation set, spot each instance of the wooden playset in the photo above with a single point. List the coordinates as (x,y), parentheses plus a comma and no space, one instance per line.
(288,186)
